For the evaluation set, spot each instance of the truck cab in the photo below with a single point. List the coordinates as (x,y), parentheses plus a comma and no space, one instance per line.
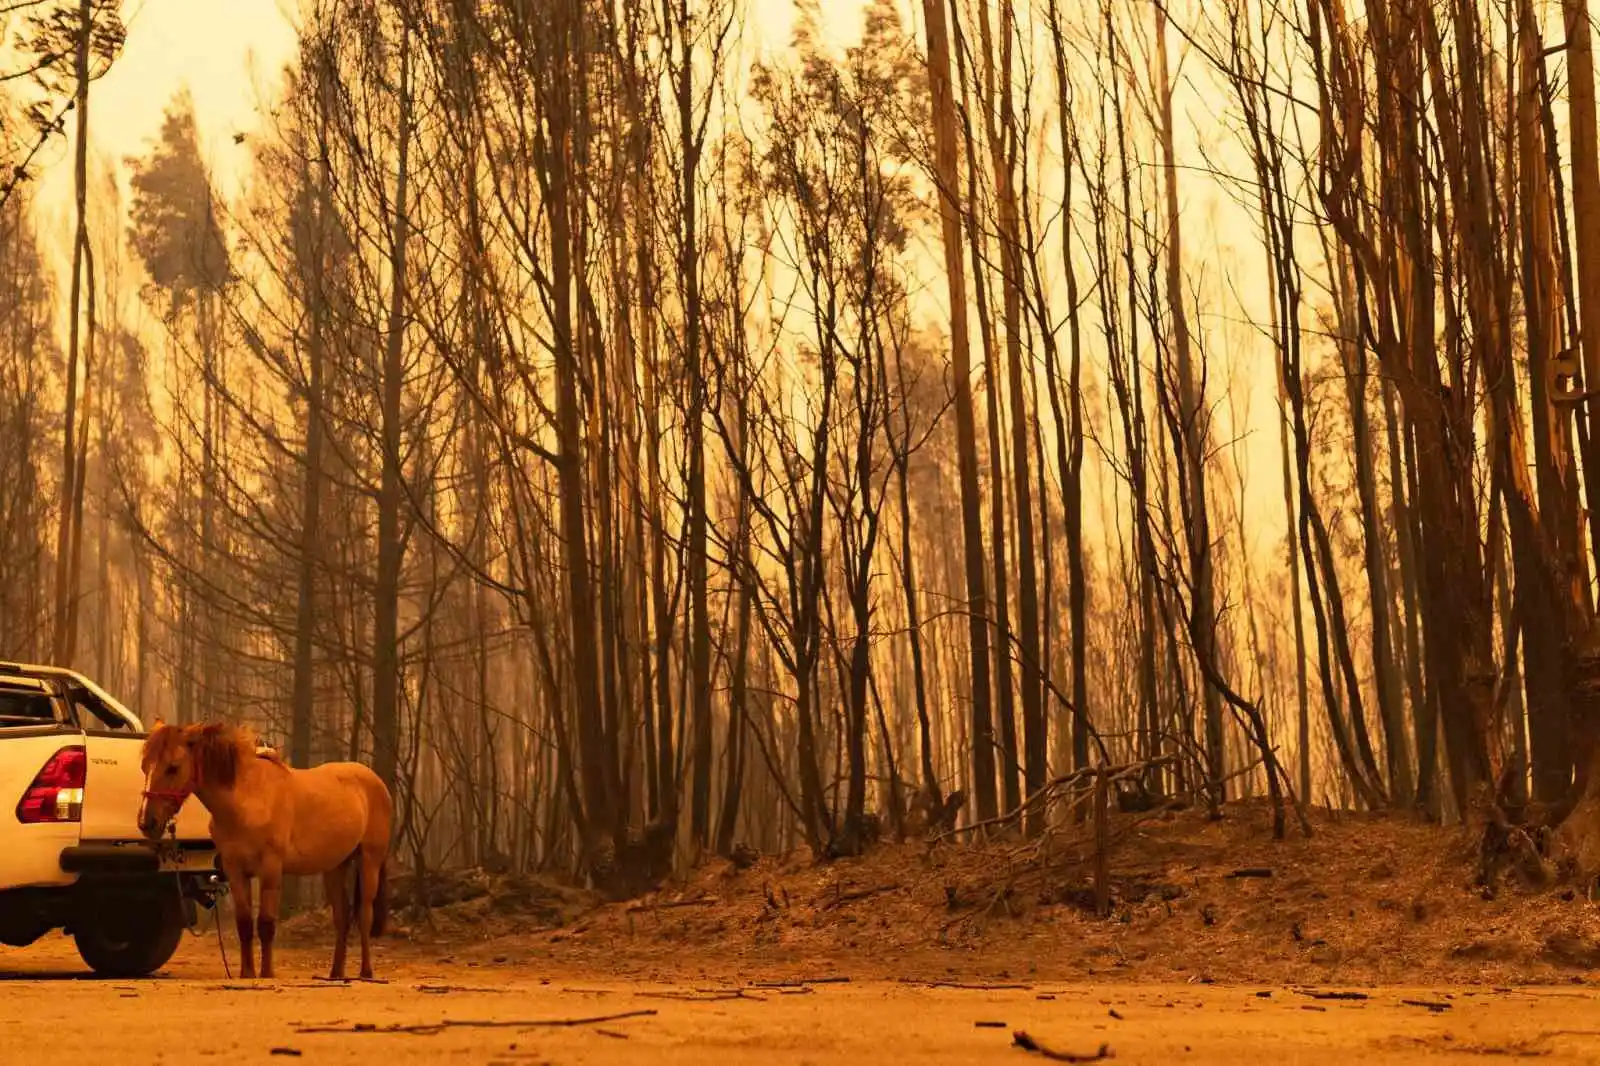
(71,854)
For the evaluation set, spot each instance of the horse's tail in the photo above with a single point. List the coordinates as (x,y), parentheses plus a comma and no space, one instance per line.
(380,903)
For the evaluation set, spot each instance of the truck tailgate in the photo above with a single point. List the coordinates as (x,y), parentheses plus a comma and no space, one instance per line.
(31,854)
(114,791)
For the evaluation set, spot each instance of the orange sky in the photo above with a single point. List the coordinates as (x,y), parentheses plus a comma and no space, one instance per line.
(230,53)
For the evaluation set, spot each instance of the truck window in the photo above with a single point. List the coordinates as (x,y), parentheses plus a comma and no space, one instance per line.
(92,714)
(22,708)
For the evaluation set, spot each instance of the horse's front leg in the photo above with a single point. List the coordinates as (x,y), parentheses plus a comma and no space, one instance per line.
(239,888)
(267,920)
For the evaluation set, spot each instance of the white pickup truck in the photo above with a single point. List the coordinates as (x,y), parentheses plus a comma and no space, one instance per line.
(71,854)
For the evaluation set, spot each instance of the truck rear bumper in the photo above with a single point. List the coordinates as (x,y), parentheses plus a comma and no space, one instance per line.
(110,859)
(113,858)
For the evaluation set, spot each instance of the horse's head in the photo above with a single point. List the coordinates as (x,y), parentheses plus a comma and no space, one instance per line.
(179,761)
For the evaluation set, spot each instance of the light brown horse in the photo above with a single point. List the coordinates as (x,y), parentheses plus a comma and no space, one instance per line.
(268,820)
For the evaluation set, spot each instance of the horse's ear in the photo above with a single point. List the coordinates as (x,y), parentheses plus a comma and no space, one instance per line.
(154,743)
(215,751)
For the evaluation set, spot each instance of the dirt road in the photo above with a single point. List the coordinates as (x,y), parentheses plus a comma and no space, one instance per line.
(438,1011)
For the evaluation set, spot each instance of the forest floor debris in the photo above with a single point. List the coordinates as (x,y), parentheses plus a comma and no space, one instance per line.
(186,1015)
(1368,899)
(1028,1043)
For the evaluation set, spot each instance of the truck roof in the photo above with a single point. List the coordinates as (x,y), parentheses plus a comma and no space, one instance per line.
(49,679)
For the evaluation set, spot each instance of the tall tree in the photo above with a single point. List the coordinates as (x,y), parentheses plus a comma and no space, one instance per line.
(947,178)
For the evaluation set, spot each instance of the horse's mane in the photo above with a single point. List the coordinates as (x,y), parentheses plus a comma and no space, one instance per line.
(217,749)
(156,746)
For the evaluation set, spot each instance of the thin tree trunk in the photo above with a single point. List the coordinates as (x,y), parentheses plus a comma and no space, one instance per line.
(1069,433)
(1194,430)
(71,476)
(977,606)
(386,606)
(1003,146)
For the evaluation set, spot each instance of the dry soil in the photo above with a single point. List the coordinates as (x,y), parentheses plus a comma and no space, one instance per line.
(433,1012)
(1369,942)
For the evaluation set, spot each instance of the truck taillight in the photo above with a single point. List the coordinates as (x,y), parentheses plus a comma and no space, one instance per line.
(56,794)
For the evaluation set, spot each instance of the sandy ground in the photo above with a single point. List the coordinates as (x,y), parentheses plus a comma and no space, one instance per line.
(454,1011)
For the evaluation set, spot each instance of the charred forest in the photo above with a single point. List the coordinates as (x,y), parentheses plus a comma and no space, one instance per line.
(645,432)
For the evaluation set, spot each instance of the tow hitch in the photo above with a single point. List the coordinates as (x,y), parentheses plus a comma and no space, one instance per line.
(195,889)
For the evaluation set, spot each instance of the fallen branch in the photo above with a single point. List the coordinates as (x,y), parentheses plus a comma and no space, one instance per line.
(698,901)
(703,995)
(1252,871)
(318,981)
(1064,783)
(801,982)
(1314,994)
(1436,1008)
(840,898)
(449,1023)
(1028,1043)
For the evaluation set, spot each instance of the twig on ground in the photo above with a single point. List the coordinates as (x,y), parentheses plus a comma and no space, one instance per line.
(704,995)
(1314,994)
(840,898)
(698,901)
(1251,871)
(1436,1008)
(1028,1043)
(450,1023)
(966,986)
(801,982)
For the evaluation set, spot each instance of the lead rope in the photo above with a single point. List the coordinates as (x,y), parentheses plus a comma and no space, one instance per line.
(216,918)
(216,908)
(216,911)
(222,947)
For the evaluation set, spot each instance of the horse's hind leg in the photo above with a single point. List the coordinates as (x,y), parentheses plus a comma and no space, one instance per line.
(338,893)
(239,887)
(371,861)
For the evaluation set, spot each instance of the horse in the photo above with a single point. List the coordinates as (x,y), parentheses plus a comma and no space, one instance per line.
(269,819)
